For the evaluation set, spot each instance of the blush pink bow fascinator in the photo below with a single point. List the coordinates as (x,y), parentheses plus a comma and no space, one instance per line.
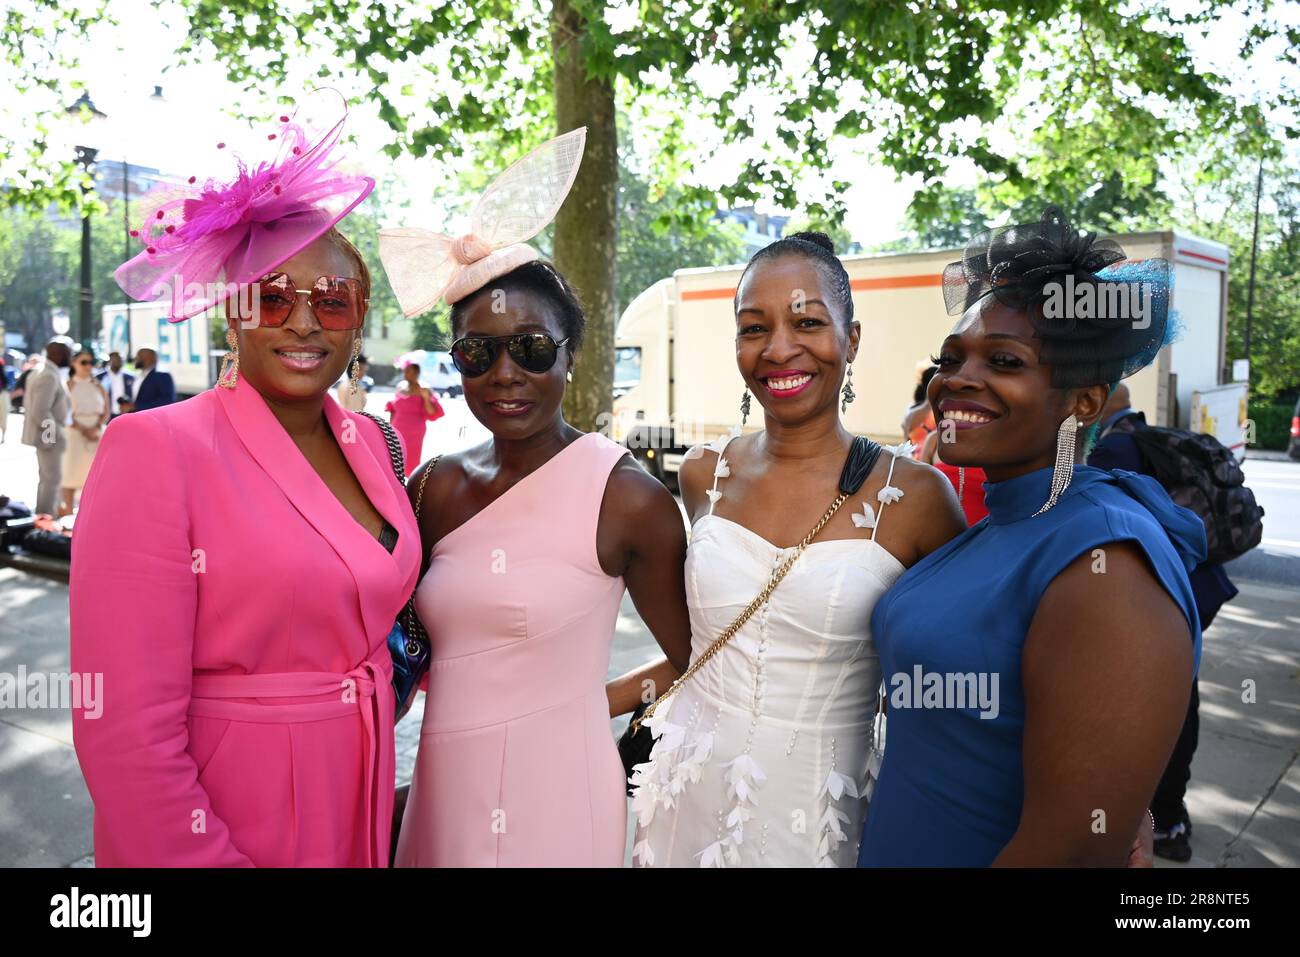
(203,239)
(425,266)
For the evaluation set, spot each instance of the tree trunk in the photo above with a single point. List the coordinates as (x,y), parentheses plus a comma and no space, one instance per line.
(585,226)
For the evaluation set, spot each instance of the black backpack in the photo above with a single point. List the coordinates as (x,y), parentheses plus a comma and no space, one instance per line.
(1200,474)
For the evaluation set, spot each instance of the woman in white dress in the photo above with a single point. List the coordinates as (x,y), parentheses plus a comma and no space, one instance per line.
(89,415)
(762,756)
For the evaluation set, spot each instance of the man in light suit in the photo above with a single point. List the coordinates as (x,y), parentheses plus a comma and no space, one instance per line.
(46,407)
(152,387)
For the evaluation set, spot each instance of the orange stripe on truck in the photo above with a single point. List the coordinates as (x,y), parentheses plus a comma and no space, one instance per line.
(858,285)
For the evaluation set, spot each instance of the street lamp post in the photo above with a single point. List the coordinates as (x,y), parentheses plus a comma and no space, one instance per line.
(86,157)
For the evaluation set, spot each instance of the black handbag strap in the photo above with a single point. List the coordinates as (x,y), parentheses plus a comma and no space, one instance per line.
(394,446)
(399,468)
(862,457)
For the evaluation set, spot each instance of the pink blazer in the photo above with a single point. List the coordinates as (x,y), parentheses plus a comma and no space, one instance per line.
(238,615)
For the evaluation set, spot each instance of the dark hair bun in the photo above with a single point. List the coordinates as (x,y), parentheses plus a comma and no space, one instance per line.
(817,248)
(816,238)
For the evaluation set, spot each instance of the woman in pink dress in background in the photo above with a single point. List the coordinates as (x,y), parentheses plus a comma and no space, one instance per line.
(414,405)
(240,556)
(532,537)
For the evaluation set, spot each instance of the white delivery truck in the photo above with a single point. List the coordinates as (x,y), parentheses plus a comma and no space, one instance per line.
(184,348)
(676,382)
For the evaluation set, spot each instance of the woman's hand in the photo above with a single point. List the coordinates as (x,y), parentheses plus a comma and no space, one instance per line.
(640,686)
(1142,853)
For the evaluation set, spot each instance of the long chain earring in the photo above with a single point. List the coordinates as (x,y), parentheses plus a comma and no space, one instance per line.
(744,406)
(1063,471)
(848,393)
(229,374)
(356,366)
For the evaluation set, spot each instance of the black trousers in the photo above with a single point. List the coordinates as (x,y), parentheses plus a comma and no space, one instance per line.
(1167,803)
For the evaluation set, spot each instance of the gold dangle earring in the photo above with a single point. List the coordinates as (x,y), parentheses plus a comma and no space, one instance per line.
(355,376)
(848,394)
(1063,470)
(229,375)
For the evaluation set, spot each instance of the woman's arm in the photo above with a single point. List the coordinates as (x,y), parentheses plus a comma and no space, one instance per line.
(914,416)
(641,535)
(929,447)
(640,686)
(432,407)
(104,404)
(1107,671)
(927,517)
(133,598)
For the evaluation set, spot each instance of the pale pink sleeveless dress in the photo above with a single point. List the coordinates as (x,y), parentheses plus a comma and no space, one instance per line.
(517,765)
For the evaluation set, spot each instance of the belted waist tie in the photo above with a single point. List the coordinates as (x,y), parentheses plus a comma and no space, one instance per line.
(362,690)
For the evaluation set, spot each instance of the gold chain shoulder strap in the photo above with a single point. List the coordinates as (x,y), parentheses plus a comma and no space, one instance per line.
(419,497)
(745,615)
(419,492)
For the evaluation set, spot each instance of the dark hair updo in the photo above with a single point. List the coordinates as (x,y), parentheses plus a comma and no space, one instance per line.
(1026,267)
(537,278)
(818,248)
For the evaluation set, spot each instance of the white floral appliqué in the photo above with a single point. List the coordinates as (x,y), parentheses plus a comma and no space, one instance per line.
(888,494)
(867,519)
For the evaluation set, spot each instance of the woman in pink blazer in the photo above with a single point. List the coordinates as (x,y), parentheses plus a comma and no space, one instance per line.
(238,561)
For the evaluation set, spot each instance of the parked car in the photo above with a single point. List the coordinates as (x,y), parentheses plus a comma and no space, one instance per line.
(1294,449)
(437,371)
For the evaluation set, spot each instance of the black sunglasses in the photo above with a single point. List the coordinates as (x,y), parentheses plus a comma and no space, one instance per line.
(531,351)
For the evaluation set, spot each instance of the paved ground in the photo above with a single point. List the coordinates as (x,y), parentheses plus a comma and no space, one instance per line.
(1244,797)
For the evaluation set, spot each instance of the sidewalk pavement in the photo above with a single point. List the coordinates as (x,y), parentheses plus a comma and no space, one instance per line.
(1244,797)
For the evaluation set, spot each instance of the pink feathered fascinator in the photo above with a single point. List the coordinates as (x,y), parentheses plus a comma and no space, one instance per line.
(203,239)
(425,266)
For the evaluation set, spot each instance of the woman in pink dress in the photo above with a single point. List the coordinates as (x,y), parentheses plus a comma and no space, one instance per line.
(533,538)
(414,405)
(238,563)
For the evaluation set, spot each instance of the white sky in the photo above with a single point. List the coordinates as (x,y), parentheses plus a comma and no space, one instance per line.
(122,64)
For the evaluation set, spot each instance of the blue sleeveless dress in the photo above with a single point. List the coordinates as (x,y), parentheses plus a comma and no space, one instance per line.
(952,784)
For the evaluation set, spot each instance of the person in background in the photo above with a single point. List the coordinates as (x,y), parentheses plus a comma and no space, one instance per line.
(89,416)
(969,482)
(30,364)
(413,405)
(1116,449)
(44,416)
(153,387)
(354,400)
(118,383)
(918,420)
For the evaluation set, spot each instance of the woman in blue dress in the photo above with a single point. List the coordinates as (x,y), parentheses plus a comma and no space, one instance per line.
(1037,667)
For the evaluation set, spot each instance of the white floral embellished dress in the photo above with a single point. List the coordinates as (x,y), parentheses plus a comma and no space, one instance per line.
(762,757)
